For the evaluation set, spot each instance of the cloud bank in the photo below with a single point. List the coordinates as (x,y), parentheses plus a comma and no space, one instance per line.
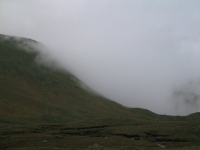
(139,53)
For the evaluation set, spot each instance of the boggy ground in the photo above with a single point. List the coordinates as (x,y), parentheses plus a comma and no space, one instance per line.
(138,135)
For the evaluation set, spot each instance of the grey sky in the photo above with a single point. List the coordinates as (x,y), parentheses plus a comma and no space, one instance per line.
(136,52)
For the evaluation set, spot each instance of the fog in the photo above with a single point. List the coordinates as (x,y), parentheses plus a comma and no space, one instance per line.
(139,53)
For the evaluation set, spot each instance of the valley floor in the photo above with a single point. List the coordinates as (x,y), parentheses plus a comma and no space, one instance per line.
(141,135)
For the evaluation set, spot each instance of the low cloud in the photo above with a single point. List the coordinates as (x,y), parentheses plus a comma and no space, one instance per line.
(139,53)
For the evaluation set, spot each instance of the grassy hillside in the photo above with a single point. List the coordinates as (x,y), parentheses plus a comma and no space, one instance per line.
(43,107)
(31,91)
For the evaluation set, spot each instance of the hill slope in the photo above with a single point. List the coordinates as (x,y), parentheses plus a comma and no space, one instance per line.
(31,91)
(60,114)
(34,92)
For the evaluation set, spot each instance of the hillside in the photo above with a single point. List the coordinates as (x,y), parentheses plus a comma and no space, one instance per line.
(44,107)
(31,89)
(35,92)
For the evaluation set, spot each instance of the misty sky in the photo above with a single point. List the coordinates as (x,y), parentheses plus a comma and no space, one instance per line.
(140,53)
